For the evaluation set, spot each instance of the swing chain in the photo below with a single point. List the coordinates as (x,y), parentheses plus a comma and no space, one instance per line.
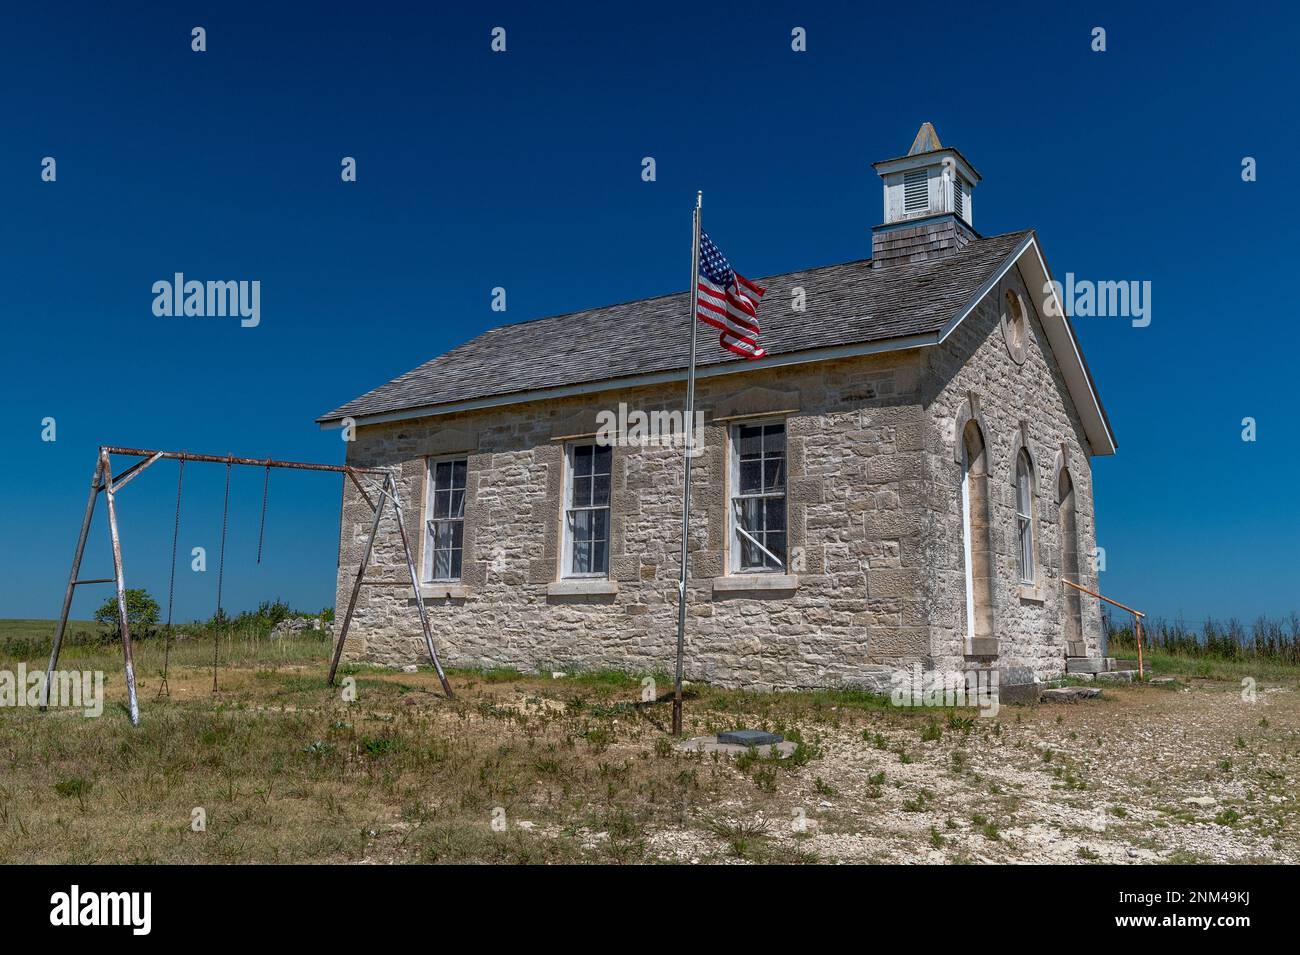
(261,530)
(171,583)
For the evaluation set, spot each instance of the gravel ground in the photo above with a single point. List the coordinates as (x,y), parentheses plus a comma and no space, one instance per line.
(1189,773)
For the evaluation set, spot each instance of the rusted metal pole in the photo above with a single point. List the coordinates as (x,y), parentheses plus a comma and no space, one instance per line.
(356,587)
(72,584)
(1093,593)
(251,462)
(415,586)
(1137,620)
(120,574)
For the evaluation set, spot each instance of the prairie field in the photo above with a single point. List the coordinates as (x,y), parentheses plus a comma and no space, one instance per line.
(521,768)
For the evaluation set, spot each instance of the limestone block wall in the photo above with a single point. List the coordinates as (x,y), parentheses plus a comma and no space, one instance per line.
(855,512)
(976,365)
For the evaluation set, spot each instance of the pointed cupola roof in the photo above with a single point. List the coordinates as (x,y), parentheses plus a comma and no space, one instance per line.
(926,141)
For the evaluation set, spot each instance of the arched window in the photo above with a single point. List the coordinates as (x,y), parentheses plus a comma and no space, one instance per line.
(1025,515)
(976,540)
(1070,562)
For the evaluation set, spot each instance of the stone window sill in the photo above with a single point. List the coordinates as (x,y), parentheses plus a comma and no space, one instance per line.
(444,590)
(1032,593)
(582,586)
(757,585)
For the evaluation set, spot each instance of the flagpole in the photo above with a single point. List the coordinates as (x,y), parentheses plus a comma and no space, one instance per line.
(686,482)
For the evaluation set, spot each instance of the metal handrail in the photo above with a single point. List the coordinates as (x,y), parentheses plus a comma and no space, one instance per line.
(1137,618)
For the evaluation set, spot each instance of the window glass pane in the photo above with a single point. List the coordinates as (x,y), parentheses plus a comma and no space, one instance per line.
(457,505)
(441,564)
(774,439)
(581,491)
(750,556)
(458,473)
(603,457)
(750,442)
(751,477)
(751,517)
(589,536)
(582,459)
(774,516)
(774,474)
(457,534)
(600,490)
(440,503)
(775,542)
(455,565)
(581,556)
(600,524)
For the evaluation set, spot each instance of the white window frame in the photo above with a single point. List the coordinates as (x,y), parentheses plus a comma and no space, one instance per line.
(966,537)
(430,537)
(566,528)
(1025,519)
(734,531)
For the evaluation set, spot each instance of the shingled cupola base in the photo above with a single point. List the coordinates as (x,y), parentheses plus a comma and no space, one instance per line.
(917,241)
(927,203)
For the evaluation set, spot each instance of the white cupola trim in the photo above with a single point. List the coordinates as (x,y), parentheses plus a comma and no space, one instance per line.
(930,180)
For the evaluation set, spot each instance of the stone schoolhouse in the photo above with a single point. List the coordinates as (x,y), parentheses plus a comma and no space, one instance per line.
(905,479)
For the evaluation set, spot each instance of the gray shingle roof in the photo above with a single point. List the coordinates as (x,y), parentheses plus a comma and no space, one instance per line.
(846,304)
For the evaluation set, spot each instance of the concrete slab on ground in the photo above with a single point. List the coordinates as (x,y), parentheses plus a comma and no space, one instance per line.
(710,744)
(1069,694)
(1085,665)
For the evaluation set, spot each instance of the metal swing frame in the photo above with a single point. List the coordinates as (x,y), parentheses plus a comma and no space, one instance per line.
(103,482)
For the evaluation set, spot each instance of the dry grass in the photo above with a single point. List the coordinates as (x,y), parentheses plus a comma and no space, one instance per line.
(577,772)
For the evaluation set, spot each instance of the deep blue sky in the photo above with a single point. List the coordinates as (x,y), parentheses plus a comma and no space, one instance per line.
(523,170)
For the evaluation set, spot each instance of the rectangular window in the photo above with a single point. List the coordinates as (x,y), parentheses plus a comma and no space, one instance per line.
(916,190)
(758,498)
(586,511)
(445,527)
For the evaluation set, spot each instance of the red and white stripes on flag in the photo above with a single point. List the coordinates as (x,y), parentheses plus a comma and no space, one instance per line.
(728,301)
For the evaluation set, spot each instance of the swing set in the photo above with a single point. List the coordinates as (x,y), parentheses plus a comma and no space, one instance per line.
(103,482)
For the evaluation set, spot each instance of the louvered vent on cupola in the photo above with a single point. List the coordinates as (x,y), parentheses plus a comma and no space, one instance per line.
(916,190)
(958,197)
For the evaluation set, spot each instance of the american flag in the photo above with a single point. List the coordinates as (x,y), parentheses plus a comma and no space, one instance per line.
(728,301)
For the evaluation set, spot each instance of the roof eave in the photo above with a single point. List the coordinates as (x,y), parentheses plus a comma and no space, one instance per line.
(806,356)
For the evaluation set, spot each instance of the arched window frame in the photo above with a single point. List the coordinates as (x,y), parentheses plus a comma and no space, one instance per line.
(1030,586)
(979,612)
(1066,494)
(1026,552)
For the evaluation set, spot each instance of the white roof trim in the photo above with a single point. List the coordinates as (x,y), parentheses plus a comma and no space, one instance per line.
(1064,346)
(1059,335)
